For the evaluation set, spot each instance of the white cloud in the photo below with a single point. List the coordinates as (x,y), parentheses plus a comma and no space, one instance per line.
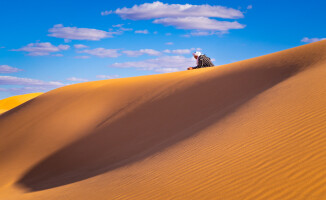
(169,43)
(80,46)
(107,76)
(75,79)
(117,25)
(186,16)
(160,64)
(74,33)
(26,90)
(178,51)
(168,34)
(249,7)
(106,13)
(42,49)
(161,10)
(310,40)
(12,80)
(140,52)
(102,52)
(181,51)
(2,47)
(142,31)
(82,57)
(199,23)
(125,29)
(8,69)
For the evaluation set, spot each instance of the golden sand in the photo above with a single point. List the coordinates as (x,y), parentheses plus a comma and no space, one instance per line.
(11,102)
(253,129)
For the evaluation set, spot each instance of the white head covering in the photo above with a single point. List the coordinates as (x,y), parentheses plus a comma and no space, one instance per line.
(197,53)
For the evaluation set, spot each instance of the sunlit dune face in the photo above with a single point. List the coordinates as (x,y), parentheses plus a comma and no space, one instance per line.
(253,129)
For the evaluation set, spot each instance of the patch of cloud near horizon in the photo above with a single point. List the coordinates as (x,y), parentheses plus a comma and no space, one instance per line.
(310,40)
(12,80)
(158,9)
(74,33)
(29,85)
(8,69)
(161,64)
(25,90)
(42,49)
(140,52)
(107,76)
(102,52)
(75,79)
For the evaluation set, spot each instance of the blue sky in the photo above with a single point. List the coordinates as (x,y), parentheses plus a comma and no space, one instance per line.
(49,44)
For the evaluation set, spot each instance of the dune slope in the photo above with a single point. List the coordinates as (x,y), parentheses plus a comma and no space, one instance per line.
(254,129)
(14,101)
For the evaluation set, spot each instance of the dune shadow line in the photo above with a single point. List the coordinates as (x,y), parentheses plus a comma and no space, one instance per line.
(152,127)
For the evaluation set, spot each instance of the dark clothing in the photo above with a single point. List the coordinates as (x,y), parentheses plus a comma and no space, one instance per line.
(204,61)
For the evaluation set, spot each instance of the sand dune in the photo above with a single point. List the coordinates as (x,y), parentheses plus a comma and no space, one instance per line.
(11,102)
(254,129)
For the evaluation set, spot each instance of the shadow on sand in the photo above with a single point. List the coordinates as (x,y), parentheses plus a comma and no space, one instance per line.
(151,127)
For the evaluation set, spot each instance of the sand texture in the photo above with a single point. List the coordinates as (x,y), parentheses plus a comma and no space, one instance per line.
(254,129)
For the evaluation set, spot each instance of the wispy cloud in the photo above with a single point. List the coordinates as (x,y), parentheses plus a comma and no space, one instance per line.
(75,79)
(185,16)
(74,33)
(102,52)
(310,40)
(12,80)
(81,57)
(8,69)
(160,64)
(106,13)
(181,51)
(249,7)
(80,46)
(178,51)
(140,52)
(42,49)
(117,25)
(142,31)
(107,76)
(27,90)
(161,10)
(169,43)
(199,23)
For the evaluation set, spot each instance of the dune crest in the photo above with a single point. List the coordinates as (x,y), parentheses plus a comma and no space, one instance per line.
(253,129)
(14,101)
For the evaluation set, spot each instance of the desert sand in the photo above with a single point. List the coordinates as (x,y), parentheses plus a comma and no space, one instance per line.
(11,102)
(254,129)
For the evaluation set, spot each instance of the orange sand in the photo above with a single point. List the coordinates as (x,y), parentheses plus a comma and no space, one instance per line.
(11,102)
(254,129)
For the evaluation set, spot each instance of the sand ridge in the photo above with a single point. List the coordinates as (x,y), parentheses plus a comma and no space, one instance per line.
(246,130)
(14,101)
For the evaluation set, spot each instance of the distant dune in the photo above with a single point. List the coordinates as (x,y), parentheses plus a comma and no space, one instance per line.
(254,129)
(11,102)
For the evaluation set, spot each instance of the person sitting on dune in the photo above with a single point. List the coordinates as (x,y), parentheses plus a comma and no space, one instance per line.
(202,61)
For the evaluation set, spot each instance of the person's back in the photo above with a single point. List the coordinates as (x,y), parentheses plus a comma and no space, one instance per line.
(202,61)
